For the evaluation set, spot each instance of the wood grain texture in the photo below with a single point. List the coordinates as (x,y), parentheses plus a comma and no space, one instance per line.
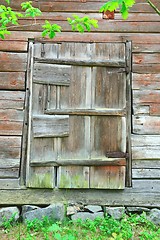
(50,126)
(146,125)
(51,74)
(9,46)
(107,177)
(12,100)
(12,80)
(9,184)
(73,177)
(13,62)
(41,177)
(10,149)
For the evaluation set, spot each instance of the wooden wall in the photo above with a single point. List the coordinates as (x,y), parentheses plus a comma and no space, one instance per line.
(143,28)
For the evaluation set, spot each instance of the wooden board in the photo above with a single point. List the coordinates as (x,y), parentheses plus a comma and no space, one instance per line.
(50,126)
(146,125)
(51,74)
(12,80)
(13,62)
(12,100)
(73,177)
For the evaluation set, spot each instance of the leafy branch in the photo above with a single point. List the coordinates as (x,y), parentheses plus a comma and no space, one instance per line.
(82,24)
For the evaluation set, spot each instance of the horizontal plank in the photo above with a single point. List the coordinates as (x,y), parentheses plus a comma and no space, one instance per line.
(103,26)
(11,128)
(13,62)
(52,74)
(146,48)
(146,125)
(146,81)
(146,163)
(146,173)
(62,16)
(146,97)
(145,140)
(9,172)
(10,150)
(72,6)
(11,115)
(146,152)
(145,58)
(144,193)
(12,80)
(139,109)
(88,112)
(50,126)
(80,62)
(146,68)
(87,37)
(84,162)
(9,46)
(9,184)
(12,99)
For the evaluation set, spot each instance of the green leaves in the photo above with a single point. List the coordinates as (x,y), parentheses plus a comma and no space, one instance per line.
(82,24)
(124,6)
(30,11)
(50,29)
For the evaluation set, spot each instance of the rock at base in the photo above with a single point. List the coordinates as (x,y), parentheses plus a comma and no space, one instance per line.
(8,214)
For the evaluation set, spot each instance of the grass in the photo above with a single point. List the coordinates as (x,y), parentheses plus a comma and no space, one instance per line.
(130,227)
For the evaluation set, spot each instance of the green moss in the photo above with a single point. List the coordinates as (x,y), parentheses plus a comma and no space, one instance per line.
(41,181)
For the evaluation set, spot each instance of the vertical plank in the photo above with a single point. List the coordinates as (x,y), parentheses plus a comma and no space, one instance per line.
(73,177)
(107,177)
(41,177)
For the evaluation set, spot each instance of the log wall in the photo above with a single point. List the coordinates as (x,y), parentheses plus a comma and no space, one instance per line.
(143,28)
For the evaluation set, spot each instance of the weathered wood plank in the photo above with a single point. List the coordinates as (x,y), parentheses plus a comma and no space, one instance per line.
(12,80)
(51,74)
(9,172)
(73,177)
(147,140)
(146,173)
(11,115)
(146,81)
(13,62)
(40,177)
(9,184)
(146,97)
(12,99)
(146,125)
(145,58)
(50,126)
(9,46)
(77,62)
(87,37)
(11,128)
(146,152)
(112,26)
(146,164)
(88,112)
(146,68)
(146,48)
(149,197)
(72,6)
(10,148)
(83,162)
(108,177)
(107,135)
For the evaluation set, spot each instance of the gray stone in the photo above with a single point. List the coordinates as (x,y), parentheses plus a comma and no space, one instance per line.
(154,216)
(94,208)
(87,215)
(115,212)
(28,208)
(72,210)
(138,209)
(7,213)
(54,212)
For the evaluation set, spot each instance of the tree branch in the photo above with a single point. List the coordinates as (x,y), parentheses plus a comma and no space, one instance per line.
(154,7)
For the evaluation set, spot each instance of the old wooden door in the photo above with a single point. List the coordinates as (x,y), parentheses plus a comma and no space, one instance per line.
(78,111)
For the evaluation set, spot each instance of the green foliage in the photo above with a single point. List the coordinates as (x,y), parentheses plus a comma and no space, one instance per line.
(50,29)
(129,227)
(82,24)
(124,6)
(30,11)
